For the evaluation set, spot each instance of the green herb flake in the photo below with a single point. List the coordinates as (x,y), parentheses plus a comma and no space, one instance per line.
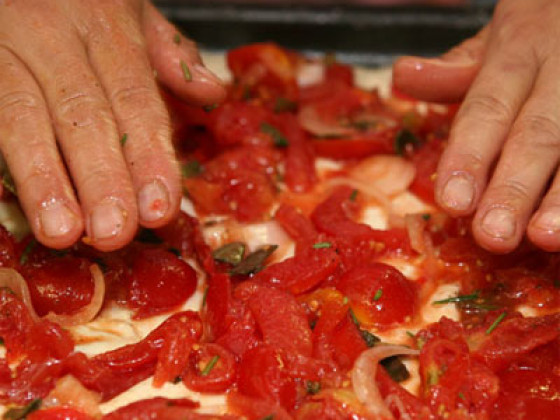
(231,253)
(370,339)
(8,182)
(378,295)
(277,137)
(312,387)
(208,368)
(284,105)
(177,38)
(124,138)
(312,324)
(345,300)
(395,368)
(23,412)
(426,216)
(457,299)
(411,334)
(461,395)
(191,169)
(254,262)
(210,108)
(1,341)
(186,71)
(496,323)
(353,195)
(205,296)
(176,379)
(321,245)
(433,377)
(27,250)
(353,316)
(403,139)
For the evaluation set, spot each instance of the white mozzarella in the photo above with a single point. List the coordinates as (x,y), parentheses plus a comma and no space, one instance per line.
(433,313)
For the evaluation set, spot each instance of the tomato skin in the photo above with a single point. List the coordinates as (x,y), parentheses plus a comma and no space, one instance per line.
(426,160)
(159,281)
(255,408)
(296,224)
(261,375)
(58,413)
(61,285)
(156,408)
(379,294)
(216,312)
(238,123)
(8,249)
(219,378)
(357,146)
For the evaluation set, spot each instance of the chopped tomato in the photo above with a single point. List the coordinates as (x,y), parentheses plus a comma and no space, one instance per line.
(159,281)
(355,146)
(58,413)
(426,160)
(211,368)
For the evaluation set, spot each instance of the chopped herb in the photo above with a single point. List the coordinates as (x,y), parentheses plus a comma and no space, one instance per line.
(27,250)
(320,245)
(246,93)
(370,339)
(22,412)
(426,216)
(378,295)
(313,387)
(403,139)
(254,261)
(496,323)
(277,137)
(284,105)
(177,38)
(8,182)
(102,264)
(177,379)
(205,296)
(209,108)
(345,300)
(186,71)
(457,299)
(410,334)
(353,316)
(395,368)
(433,376)
(191,169)
(353,195)
(313,323)
(148,236)
(208,368)
(124,138)
(461,395)
(1,341)
(231,253)
(174,251)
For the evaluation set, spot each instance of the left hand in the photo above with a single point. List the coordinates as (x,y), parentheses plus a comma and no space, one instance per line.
(504,146)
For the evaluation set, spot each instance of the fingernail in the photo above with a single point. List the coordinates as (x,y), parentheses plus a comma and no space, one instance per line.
(499,223)
(458,193)
(56,219)
(548,221)
(106,220)
(153,201)
(203,74)
(453,60)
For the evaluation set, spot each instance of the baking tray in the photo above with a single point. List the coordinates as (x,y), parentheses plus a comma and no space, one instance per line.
(358,34)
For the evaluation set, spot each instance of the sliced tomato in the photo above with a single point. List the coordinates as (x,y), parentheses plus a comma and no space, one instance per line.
(296,224)
(157,408)
(426,160)
(8,249)
(58,413)
(159,281)
(211,368)
(255,408)
(216,311)
(379,294)
(31,381)
(261,375)
(356,146)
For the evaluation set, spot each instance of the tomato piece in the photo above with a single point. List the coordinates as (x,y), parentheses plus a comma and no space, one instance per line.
(261,375)
(296,224)
(157,408)
(211,368)
(217,305)
(346,343)
(242,334)
(15,324)
(281,320)
(303,272)
(339,72)
(58,413)
(159,281)
(255,408)
(31,381)
(8,249)
(62,285)
(379,294)
(399,400)
(356,146)
(426,159)
(332,404)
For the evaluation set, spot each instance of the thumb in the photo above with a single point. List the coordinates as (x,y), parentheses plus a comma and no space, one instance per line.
(443,79)
(177,62)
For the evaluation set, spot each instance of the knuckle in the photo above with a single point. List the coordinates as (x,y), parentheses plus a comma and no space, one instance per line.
(513,191)
(487,108)
(134,96)
(80,110)
(540,131)
(17,104)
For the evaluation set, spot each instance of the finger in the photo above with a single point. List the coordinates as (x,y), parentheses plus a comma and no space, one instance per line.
(443,79)
(28,145)
(544,227)
(142,118)
(88,137)
(177,62)
(528,159)
(481,126)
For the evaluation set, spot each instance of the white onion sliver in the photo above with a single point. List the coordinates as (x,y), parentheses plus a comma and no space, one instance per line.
(11,279)
(87,312)
(69,392)
(415,226)
(391,175)
(363,377)
(312,122)
(364,188)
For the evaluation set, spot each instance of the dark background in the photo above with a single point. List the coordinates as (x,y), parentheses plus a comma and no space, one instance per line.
(357,31)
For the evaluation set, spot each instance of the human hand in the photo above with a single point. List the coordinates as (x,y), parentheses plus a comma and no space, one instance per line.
(80,111)
(504,146)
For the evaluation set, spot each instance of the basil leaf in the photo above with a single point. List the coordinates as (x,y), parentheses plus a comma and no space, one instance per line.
(395,368)
(186,71)
(313,387)
(191,169)
(254,262)
(277,137)
(231,253)
(22,412)
(370,339)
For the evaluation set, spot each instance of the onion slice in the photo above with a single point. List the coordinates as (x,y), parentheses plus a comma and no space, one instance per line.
(11,279)
(363,377)
(365,188)
(68,391)
(311,121)
(87,312)
(390,175)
